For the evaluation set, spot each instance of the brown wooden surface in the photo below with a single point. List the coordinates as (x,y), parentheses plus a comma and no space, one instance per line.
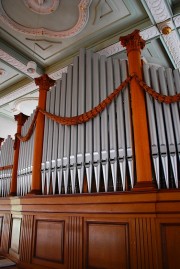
(105,231)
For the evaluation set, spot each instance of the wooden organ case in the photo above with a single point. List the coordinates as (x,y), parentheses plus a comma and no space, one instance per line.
(101,206)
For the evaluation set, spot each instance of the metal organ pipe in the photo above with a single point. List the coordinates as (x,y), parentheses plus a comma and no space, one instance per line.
(6,158)
(164,125)
(92,152)
(25,160)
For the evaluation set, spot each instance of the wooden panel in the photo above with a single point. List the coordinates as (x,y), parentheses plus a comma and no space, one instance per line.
(170,242)
(1,224)
(15,234)
(75,243)
(5,233)
(26,238)
(146,243)
(49,242)
(107,245)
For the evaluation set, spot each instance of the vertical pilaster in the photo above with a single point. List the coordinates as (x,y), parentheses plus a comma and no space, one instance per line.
(20,118)
(44,83)
(134,43)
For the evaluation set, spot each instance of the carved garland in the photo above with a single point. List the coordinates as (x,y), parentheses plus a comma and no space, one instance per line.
(98,109)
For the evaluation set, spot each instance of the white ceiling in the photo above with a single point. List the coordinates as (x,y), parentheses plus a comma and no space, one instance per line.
(51,32)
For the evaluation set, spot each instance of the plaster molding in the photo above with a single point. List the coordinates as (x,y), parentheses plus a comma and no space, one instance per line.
(42,6)
(158,10)
(173,43)
(58,74)
(2,72)
(16,63)
(17,103)
(112,49)
(18,93)
(77,28)
(177,21)
(150,33)
(117,47)
(168,23)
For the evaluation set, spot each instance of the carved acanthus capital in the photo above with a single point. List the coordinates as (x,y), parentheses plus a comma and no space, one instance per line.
(44,82)
(20,118)
(132,41)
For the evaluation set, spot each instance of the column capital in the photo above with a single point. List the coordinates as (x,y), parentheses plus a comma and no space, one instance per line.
(1,140)
(20,118)
(44,82)
(132,41)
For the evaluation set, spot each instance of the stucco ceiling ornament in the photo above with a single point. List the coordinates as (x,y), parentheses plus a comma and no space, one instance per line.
(177,21)
(42,6)
(77,28)
(159,10)
(2,72)
(17,64)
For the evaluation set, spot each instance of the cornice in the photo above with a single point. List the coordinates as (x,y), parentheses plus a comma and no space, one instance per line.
(146,34)
(77,28)
(16,63)
(18,93)
(108,51)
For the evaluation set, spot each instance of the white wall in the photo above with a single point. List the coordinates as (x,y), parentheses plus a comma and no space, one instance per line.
(7,127)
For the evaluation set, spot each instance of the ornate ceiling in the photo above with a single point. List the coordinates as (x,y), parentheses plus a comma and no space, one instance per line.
(51,32)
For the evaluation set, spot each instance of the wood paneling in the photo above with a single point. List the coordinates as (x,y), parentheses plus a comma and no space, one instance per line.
(49,241)
(6,233)
(170,241)
(75,229)
(101,231)
(1,224)
(145,243)
(15,236)
(26,238)
(107,245)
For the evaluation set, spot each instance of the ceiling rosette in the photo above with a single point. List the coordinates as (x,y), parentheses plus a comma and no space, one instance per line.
(44,7)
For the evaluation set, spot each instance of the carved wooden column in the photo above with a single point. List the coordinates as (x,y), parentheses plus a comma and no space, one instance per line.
(20,118)
(134,43)
(44,83)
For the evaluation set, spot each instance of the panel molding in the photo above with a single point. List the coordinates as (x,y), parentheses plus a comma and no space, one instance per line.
(15,236)
(48,246)
(104,240)
(168,242)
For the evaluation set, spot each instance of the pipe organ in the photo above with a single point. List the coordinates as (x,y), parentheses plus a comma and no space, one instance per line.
(164,125)
(6,159)
(100,150)
(25,160)
(97,156)
(104,157)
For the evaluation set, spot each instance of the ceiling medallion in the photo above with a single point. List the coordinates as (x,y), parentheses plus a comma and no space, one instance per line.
(42,6)
(83,7)
(2,72)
